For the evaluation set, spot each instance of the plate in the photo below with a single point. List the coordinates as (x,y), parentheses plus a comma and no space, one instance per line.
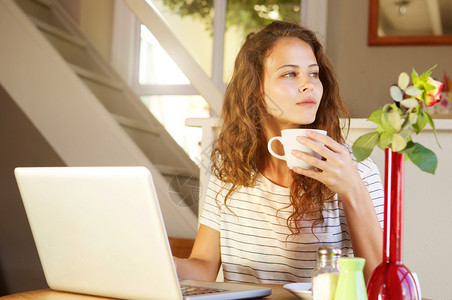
(300,289)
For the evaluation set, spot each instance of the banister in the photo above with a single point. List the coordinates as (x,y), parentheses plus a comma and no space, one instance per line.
(149,17)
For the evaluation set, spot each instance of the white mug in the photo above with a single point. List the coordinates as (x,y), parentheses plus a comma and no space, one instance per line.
(289,141)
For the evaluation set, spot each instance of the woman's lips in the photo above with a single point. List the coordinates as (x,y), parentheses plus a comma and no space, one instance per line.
(307,103)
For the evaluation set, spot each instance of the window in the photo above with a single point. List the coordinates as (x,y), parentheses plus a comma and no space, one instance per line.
(172,111)
(201,26)
(155,66)
(243,17)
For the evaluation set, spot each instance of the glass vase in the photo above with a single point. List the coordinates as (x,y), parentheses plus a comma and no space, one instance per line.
(392,279)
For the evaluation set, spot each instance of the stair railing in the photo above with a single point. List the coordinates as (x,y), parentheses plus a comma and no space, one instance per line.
(150,17)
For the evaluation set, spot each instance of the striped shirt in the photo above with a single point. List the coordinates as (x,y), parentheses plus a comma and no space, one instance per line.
(253,237)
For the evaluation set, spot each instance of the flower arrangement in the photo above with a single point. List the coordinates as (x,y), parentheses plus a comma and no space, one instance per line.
(398,120)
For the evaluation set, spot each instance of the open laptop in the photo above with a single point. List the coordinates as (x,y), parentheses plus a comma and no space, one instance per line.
(99,231)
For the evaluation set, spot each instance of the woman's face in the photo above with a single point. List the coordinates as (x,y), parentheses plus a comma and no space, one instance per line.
(291,83)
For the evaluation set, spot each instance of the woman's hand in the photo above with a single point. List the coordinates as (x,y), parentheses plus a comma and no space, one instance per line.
(336,170)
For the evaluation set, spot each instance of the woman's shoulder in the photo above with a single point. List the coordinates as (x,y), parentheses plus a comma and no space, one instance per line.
(216,184)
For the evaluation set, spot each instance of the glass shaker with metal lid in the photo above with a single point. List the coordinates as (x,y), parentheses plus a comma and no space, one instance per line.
(326,274)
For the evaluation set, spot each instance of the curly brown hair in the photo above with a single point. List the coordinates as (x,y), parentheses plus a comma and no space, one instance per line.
(240,152)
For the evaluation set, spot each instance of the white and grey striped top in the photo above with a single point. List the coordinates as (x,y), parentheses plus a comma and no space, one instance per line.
(253,236)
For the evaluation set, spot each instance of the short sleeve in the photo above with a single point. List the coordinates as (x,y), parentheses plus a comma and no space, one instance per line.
(211,209)
(370,175)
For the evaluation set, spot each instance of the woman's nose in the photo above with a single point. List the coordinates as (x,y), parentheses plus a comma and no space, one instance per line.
(305,85)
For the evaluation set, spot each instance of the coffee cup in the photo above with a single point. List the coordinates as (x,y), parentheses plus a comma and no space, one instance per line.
(289,141)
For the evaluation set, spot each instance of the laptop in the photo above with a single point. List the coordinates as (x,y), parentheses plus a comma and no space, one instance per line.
(99,231)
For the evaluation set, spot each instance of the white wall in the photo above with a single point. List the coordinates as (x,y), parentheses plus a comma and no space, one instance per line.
(427,203)
(366,73)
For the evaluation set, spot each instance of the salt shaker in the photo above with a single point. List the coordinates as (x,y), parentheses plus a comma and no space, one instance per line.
(351,284)
(326,274)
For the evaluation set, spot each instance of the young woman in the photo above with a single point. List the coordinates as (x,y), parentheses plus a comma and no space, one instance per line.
(262,221)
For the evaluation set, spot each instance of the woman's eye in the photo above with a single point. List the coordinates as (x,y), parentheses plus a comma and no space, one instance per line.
(314,74)
(290,75)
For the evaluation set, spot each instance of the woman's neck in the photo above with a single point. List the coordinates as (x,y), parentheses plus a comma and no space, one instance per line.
(277,172)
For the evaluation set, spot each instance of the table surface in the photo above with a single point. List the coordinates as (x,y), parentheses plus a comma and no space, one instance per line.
(278,292)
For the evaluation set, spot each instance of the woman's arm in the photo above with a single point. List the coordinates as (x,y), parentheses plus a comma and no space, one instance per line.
(365,230)
(339,173)
(204,261)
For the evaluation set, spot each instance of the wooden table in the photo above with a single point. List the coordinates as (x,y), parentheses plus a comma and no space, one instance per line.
(278,293)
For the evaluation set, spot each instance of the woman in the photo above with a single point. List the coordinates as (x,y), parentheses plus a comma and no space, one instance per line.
(262,221)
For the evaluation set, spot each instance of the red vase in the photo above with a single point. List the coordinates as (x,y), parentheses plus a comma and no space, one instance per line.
(392,280)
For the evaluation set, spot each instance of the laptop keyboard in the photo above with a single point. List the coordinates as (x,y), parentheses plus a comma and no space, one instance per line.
(188,290)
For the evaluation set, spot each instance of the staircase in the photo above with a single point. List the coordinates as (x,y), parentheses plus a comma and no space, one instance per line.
(85,109)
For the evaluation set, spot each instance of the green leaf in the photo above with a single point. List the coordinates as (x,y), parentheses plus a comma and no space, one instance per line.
(413,91)
(380,129)
(396,108)
(386,124)
(429,71)
(421,122)
(432,124)
(395,120)
(429,87)
(409,103)
(396,93)
(403,81)
(406,131)
(385,140)
(414,77)
(387,107)
(375,116)
(422,157)
(364,145)
(424,76)
(411,117)
(398,142)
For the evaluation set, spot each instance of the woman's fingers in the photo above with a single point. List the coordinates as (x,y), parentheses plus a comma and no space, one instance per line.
(325,140)
(309,173)
(337,170)
(312,160)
